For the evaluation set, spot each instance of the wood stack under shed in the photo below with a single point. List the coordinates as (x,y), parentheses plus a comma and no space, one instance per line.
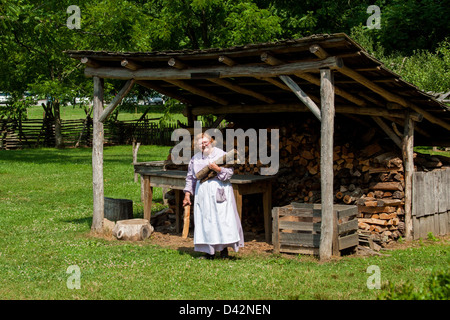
(368,172)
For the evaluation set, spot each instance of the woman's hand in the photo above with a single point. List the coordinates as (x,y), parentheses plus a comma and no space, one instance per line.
(214,167)
(187,199)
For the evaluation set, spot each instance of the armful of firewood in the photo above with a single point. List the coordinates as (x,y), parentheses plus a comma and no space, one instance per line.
(204,172)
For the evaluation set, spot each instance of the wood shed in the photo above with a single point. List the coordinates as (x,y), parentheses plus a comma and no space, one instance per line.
(337,108)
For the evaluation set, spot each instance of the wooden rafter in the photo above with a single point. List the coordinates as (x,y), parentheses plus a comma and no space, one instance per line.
(389,96)
(269,59)
(224,83)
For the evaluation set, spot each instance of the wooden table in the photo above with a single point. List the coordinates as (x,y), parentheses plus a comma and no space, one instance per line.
(176,180)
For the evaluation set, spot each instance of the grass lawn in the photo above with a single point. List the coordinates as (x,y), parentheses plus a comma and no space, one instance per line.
(45,218)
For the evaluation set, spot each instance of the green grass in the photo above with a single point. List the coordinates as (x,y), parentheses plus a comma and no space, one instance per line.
(45,219)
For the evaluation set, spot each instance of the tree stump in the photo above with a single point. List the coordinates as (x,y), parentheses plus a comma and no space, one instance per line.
(118,209)
(132,229)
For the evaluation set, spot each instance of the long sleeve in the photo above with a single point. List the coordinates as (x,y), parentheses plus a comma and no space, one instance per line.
(225,174)
(190,179)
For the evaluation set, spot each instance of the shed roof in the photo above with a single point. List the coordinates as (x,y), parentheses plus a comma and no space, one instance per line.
(245,79)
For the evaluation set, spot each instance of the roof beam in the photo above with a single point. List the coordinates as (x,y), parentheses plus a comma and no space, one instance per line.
(205,94)
(224,83)
(269,59)
(320,52)
(152,86)
(230,62)
(130,64)
(224,72)
(293,107)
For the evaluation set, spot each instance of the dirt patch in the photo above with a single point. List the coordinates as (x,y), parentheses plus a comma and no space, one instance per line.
(253,243)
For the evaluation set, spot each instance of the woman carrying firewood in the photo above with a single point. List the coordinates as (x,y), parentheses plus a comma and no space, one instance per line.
(217,223)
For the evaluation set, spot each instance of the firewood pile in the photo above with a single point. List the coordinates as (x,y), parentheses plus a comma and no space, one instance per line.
(368,172)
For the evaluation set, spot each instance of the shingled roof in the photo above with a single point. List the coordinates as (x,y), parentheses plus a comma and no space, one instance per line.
(245,79)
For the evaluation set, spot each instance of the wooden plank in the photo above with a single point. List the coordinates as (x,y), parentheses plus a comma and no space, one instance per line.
(300,213)
(223,71)
(416,227)
(326,162)
(300,239)
(443,190)
(447,183)
(299,226)
(418,206)
(348,241)
(348,226)
(275,231)
(299,250)
(347,212)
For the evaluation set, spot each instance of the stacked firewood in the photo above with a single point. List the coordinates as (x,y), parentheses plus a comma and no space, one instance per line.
(368,172)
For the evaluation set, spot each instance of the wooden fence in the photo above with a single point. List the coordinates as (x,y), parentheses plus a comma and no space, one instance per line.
(431,203)
(39,133)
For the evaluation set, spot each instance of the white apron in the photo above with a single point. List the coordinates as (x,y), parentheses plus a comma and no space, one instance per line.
(215,222)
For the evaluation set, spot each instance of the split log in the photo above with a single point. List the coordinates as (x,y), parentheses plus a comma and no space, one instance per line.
(133,229)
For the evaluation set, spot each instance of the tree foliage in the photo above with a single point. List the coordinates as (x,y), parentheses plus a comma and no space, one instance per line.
(34,34)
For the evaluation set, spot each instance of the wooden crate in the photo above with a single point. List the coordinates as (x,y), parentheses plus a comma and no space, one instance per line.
(296,228)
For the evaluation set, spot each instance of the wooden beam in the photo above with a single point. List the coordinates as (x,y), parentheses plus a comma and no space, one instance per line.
(269,59)
(302,96)
(297,107)
(186,86)
(236,88)
(152,86)
(326,163)
(392,97)
(90,63)
(117,99)
(391,134)
(97,157)
(224,83)
(130,65)
(225,71)
(226,60)
(408,161)
(177,64)
(230,62)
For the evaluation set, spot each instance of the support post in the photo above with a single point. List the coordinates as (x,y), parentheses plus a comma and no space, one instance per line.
(408,160)
(326,162)
(97,157)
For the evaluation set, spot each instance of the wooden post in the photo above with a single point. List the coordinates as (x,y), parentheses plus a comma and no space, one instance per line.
(97,157)
(326,162)
(408,160)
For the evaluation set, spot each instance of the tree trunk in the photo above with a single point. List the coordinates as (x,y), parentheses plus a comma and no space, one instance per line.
(59,143)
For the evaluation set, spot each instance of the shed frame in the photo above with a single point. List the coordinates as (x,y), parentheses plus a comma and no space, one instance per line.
(299,75)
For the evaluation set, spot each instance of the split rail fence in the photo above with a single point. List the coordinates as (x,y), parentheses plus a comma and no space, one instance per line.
(38,133)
